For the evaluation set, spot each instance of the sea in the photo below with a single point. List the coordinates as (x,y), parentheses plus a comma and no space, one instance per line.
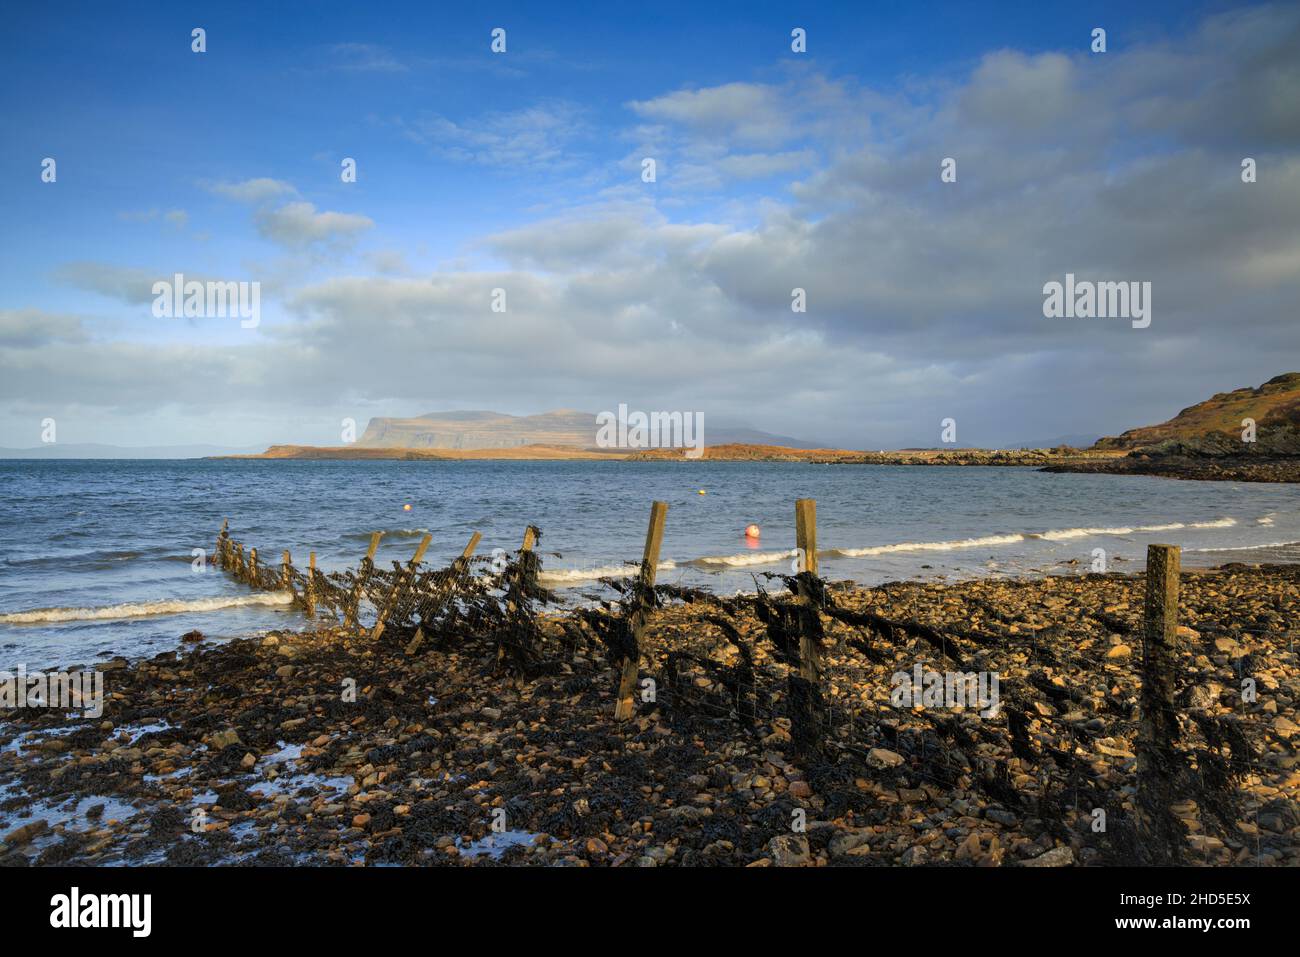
(98,558)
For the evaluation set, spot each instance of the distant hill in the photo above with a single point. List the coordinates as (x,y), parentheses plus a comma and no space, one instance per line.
(95,450)
(1071,441)
(1213,427)
(496,430)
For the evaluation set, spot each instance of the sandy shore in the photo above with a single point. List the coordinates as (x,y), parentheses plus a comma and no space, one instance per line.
(249,751)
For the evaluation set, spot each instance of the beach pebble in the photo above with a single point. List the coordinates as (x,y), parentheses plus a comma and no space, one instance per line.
(1056,857)
(789,850)
(883,758)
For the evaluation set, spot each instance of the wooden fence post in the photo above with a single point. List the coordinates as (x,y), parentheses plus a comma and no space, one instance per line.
(252,567)
(625,706)
(286,571)
(223,542)
(1159,832)
(444,592)
(363,576)
(806,685)
(468,552)
(309,594)
(530,539)
(400,583)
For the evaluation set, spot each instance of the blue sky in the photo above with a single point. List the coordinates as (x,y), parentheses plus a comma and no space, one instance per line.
(521,170)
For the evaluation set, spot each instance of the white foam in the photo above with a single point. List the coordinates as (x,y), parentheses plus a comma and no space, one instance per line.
(929,546)
(568,576)
(1217,523)
(744,559)
(145,608)
(1245,548)
(1069,533)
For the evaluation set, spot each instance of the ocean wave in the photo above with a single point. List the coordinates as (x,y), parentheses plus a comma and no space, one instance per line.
(143,609)
(926,546)
(1246,548)
(741,559)
(1217,523)
(1066,534)
(94,559)
(569,576)
(387,533)
(748,559)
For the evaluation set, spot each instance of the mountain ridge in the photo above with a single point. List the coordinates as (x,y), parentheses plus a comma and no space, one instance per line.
(474,430)
(1214,426)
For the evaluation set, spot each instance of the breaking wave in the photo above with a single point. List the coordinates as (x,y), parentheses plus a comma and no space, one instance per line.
(563,576)
(143,609)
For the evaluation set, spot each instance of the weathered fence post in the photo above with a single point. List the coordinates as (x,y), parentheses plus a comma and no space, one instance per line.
(400,583)
(1159,832)
(363,576)
(806,685)
(252,568)
(286,571)
(625,706)
(223,543)
(524,566)
(445,591)
(309,593)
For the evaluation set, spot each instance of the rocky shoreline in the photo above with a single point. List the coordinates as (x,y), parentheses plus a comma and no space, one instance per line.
(1225,469)
(250,752)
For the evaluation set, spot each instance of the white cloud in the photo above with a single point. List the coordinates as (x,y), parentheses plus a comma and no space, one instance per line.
(253,191)
(298,225)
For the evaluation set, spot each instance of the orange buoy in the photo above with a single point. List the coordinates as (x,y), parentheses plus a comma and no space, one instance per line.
(406,508)
(751,531)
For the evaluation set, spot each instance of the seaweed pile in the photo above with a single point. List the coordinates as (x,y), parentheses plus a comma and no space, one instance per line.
(473,723)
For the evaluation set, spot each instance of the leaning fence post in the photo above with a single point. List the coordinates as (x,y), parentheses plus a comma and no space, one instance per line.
(309,593)
(363,576)
(530,539)
(1157,759)
(806,685)
(444,591)
(400,583)
(625,706)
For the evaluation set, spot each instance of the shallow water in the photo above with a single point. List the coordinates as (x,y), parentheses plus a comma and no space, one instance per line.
(96,557)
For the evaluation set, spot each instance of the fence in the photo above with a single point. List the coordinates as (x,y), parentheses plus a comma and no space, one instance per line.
(811,668)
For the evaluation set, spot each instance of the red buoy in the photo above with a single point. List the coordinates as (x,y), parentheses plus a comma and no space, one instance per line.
(751,531)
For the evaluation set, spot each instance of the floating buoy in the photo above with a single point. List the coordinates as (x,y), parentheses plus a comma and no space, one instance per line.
(751,531)
(701,492)
(406,508)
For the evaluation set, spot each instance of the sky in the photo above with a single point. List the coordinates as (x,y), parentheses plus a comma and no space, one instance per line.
(522,171)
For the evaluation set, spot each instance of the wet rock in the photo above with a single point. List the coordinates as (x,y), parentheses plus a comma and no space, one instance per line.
(789,850)
(883,758)
(1056,857)
(223,739)
(26,833)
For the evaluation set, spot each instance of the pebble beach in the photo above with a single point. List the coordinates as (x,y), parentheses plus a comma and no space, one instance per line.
(320,747)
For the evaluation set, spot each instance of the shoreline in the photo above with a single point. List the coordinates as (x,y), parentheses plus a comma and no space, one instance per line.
(253,733)
(1269,469)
